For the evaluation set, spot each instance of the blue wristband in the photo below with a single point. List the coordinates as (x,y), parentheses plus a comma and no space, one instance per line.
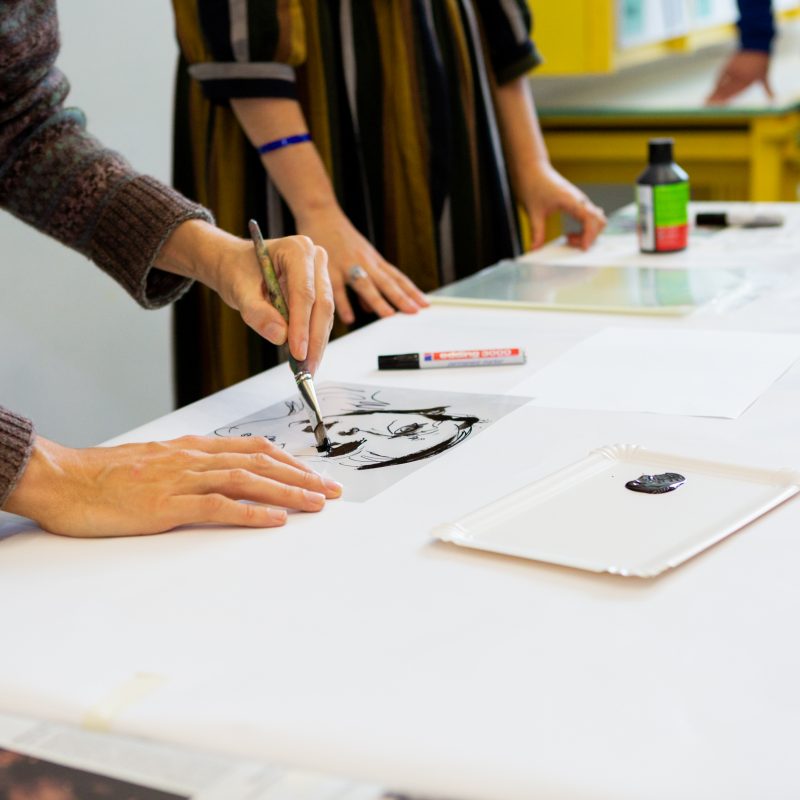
(285,142)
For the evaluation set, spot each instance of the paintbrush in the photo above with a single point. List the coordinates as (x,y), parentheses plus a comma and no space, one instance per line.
(302,376)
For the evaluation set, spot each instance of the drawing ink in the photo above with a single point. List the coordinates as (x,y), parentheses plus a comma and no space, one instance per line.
(662,201)
(656,484)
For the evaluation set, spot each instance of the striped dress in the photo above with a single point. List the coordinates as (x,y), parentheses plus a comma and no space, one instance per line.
(398,98)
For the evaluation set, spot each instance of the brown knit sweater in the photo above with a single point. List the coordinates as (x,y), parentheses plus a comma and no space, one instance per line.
(58,178)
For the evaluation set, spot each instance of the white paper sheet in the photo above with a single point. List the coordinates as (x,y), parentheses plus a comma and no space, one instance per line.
(666,371)
(378,434)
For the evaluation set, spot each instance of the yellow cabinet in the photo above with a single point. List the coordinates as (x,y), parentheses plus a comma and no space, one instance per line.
(593,36)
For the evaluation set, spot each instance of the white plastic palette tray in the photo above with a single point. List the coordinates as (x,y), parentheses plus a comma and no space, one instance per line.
(583,516)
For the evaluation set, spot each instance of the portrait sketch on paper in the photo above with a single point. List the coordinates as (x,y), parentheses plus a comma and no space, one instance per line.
(378,435)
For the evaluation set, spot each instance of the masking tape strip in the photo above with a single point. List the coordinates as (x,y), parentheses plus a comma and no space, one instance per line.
(101,715)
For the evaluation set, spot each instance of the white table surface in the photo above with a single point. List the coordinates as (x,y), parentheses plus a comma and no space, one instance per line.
(756,250)
(349,642)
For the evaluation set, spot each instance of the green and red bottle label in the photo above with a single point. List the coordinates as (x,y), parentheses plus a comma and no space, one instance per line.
(663,216)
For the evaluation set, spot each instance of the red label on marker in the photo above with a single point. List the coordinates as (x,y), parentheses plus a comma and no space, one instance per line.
(471,355)
(492,356)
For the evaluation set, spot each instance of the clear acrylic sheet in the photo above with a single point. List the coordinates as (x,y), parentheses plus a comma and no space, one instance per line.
(622,290)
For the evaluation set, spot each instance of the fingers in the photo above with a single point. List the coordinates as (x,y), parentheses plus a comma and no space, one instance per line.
(416,294)
(592,219)
(742,69)
(382,288)
(354,262)
(296,256)
(232,444)
(137,489)
(571,200)
(301,267)
(252,301)
(322,312)
(551,192)
(397,287)
(250,453)
(340,298)
(728,86)
(220,510)
(264,466)
(364,286)
(242,484)
(212,479)
(538,232)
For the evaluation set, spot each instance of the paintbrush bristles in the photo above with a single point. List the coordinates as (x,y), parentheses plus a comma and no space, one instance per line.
(306,386)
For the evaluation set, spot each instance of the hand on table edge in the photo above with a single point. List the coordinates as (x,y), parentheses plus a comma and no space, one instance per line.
(300,175)
(548,192)
(742,69)
(229,266)
(138,489)
(382,288)
(536,184)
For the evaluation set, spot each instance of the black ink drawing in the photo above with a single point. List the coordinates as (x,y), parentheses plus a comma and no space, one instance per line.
(375,429)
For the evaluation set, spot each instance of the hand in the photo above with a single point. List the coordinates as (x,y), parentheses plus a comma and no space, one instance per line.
(743,68)
(135,489)
(228,265)
(382,290)
(545,192)
(301,177)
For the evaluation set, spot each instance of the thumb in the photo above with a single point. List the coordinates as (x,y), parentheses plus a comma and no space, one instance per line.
(537,220)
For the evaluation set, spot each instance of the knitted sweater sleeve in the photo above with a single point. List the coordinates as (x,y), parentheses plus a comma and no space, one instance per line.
(16,441)
(58,178)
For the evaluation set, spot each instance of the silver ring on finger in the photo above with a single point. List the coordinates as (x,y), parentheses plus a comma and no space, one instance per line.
(356,273)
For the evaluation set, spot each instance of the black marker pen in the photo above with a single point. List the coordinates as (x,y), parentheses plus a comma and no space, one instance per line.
(491,357)
(742,219)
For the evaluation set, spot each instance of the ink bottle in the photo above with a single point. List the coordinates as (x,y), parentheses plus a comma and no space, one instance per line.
(662,202)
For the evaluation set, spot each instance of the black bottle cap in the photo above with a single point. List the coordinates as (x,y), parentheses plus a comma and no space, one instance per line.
(660,151)
(401,361)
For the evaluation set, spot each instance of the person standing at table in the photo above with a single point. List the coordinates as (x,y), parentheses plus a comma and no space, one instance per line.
(750,63)
(153,241)
(399,135)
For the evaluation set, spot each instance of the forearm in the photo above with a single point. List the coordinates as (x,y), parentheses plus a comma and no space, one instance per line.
(523,143)
(58,178)
(539,188)
(97,205)
(297,170)
(300,176)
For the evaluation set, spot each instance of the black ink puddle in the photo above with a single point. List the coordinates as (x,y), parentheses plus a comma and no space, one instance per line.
(656,484)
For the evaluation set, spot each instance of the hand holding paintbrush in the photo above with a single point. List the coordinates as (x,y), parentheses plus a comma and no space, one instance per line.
(302,374)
